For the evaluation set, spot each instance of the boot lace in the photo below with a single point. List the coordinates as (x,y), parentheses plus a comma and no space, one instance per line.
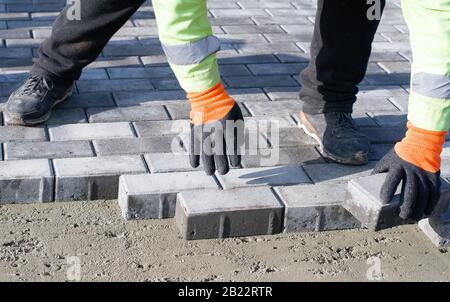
(36,86)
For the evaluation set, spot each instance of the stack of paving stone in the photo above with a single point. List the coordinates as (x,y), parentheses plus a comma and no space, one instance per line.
(127,113)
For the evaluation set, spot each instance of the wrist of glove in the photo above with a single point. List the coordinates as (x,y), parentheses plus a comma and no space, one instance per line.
(217,128)
(415,162)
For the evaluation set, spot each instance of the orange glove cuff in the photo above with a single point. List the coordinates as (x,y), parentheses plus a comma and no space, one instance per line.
(210,105)
(422,148)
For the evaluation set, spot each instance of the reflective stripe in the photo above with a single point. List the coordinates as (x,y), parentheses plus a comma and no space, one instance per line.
(192,53)
(431,85)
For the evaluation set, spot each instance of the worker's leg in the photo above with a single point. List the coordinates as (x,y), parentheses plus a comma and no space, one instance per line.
(429,25)
(73,44)
(187,38)
(340,52)
(415,162)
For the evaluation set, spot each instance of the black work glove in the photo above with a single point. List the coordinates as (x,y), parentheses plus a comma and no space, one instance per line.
(420,189)
(217,142)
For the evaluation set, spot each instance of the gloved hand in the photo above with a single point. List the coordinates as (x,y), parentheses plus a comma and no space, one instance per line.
(416,162)
(217,130)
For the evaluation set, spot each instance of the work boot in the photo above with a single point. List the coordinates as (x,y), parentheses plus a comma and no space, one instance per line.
(33,102)
(338,136)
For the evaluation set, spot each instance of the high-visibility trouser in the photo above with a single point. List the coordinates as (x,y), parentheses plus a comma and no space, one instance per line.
(429,26)
(188,42)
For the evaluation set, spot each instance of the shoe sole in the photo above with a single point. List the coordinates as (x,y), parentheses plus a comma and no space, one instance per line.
(328,156)
(12,120)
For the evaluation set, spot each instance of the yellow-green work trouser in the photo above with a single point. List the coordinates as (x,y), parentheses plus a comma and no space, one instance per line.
(429,25)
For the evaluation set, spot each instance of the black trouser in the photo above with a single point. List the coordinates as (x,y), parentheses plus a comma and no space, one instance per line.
(339,52)
(74,44)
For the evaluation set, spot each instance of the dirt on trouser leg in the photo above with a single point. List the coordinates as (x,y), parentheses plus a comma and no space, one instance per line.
(46,242)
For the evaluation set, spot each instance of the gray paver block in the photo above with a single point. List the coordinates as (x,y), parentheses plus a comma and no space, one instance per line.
(315,208)
(331,172)
(267,176)
(159,128)
(73,132)
(16,133)
(286,156)
(437,229)
(67,116)
(168,162)
(157,144)
(205,214)
(126,114)
(364,203)
(93,178)
(30,150)
(26,181)
(153,196)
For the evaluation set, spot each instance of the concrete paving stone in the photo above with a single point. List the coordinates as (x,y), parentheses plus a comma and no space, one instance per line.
(369,104)
(401,102)
(248,94)
(259,81)
(15,34)
(114,85)
(72,132)
(246,4)
(437,229)
(109,62)
(270,69)
(93,178)
(266,176)
(224,58)
(264,120)
(268,48)
(32,43)
(283,93)
(131,49)
(181,110)
(206,214)
(125,99)
(252,29)
(67,116)
(94,74)
(26,181)
(388,79)
(169,162)
(290,137)
(153,196)
(230,20)
(292,57)
(157,144)
(280,157)
(383,135)
(377,151)
(86,100)
(234,70)
(31,150)
(224,13)
(280,20)
(7,88)
(125,114)
(140,72)
(364,202)
(315,208)
(166,84)
(17,133)
(336,173)
(136,31)
(389,118)
(239,38)
(283,38)
(279,108)
(162,128)
(8,53)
